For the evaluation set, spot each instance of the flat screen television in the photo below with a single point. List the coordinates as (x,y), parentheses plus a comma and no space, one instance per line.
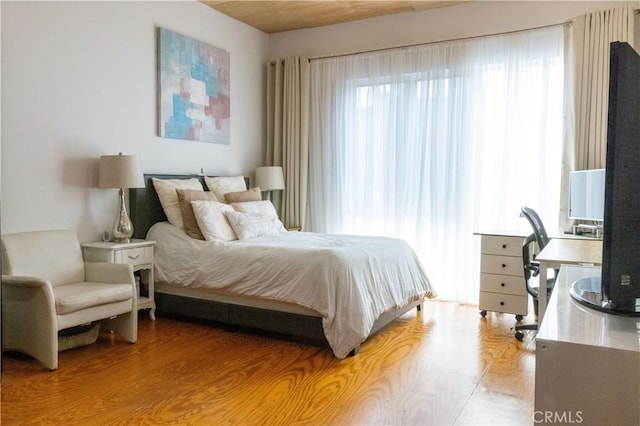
(586,195)
(618,289)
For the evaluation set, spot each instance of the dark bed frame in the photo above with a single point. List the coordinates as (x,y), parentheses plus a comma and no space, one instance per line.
(146,210)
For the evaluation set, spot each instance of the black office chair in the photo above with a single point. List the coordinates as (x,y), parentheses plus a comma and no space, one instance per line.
(538,227)
(531,269)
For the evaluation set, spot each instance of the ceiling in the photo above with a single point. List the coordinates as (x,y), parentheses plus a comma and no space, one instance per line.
(272,16)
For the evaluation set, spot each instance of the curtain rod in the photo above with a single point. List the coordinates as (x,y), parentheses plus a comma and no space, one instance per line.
(382,49)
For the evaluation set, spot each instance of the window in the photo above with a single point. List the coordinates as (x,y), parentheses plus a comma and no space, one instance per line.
(435,142)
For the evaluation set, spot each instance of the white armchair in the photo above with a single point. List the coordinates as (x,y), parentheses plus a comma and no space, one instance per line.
(47,287)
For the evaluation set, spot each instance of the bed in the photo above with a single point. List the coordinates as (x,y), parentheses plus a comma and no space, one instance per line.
(318,288)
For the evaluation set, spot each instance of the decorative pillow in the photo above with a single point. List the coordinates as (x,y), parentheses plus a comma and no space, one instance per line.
(264,208)
(253,194)
(251,225)
(224,184)
(166,189)
(185,197)
(211,220)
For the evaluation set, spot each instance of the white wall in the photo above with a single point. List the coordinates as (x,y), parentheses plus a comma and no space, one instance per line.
(79,81)
(463,20)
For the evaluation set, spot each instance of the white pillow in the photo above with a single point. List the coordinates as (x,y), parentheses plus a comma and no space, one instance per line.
(166,189)
(250,225)
(264,208)
(211,220)
(224,184)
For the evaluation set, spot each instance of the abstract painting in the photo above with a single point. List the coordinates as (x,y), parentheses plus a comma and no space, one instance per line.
(194,101)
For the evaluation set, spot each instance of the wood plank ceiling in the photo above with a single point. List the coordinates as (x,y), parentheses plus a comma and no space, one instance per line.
(272,16)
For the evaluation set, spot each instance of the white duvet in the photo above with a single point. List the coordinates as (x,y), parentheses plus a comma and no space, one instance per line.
(349,280)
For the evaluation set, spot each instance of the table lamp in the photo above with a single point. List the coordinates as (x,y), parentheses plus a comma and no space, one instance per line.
(270,179)
(121,171)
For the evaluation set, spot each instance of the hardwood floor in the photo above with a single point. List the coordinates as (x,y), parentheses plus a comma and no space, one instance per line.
(445,365)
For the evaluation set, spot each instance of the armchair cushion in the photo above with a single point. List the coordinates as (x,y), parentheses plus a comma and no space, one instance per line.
(74,297)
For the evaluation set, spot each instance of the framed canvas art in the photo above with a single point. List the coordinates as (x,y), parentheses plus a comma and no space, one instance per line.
(194,100)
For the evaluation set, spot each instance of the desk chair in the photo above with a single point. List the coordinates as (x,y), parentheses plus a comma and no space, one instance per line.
(538,227)
(531,269)
(539,231)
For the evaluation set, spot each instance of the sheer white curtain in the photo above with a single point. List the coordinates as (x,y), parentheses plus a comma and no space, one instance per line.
(432,143)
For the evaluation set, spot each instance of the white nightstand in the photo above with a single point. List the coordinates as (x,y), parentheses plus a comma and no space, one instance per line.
(138,253)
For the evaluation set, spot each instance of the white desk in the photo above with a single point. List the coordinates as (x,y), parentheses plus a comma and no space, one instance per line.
(564,251)
(587,361)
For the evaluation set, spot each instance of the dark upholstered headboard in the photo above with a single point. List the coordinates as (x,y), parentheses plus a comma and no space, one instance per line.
(145,206)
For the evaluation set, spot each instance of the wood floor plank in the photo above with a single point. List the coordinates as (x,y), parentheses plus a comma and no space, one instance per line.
(444,365)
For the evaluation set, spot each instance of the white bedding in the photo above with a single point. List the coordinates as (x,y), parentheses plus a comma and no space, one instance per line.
(349,280)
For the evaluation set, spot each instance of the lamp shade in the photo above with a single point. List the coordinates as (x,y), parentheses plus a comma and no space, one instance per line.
(270,178)
(120,171)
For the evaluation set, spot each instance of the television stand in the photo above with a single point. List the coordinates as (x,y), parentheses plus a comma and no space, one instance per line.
(587,361)
(588,292)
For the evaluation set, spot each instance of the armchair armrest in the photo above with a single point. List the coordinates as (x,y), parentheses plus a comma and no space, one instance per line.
(28,310)
(105,272)
(23,281)
(32,291)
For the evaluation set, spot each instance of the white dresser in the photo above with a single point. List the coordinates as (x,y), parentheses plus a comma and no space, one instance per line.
(502,286)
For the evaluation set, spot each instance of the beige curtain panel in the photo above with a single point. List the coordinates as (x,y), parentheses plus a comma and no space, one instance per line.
(587,39)
(591,35)
(288,134)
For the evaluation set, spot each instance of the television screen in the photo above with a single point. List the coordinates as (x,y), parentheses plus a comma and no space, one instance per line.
(621,242)
(620,280)
(586,200)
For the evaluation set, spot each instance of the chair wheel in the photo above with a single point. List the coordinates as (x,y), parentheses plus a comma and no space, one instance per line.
(483,314)
(519,335)
(519,318)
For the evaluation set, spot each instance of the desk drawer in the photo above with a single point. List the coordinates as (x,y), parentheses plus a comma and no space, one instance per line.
(505,284)
(501,265)
(501,245)
(135,256)
(508,303)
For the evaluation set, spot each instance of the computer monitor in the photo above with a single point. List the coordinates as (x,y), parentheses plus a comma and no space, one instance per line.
(586,200)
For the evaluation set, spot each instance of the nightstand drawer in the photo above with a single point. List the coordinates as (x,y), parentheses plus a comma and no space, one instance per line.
(505,284)
(501,265)
(501,245)
(508,303)
(135,256)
